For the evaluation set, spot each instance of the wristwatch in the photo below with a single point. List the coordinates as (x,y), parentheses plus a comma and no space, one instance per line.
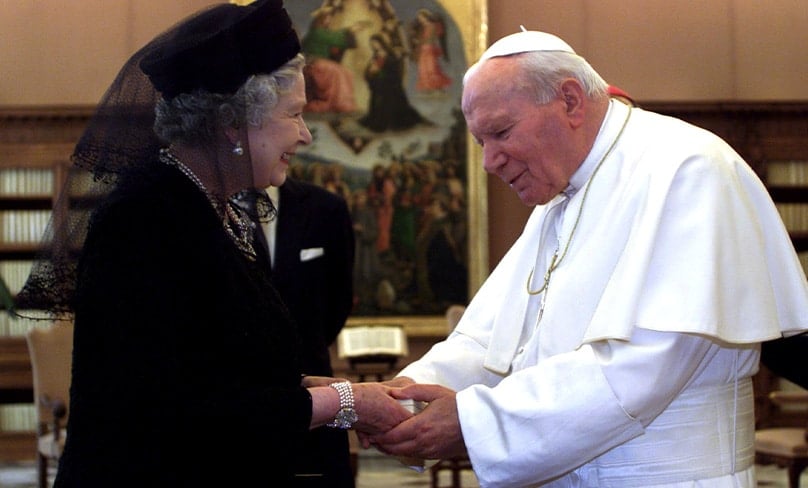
(346,415)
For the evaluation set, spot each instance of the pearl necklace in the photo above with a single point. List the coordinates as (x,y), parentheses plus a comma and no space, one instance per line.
(555,261)
(237,224)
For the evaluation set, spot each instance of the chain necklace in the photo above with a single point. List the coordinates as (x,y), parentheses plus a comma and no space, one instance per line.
(555,261)
(237,224)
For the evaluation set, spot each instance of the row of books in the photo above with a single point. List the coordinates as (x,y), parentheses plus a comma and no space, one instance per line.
(17,418)
(23,226)
(787,173)
(794,215)
(14,273)
(26,182)
(803,260)
(19,326)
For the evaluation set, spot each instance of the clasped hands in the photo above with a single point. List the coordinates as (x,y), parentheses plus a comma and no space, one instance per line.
(385,424)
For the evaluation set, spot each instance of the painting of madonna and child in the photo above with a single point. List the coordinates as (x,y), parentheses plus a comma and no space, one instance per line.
(383,81)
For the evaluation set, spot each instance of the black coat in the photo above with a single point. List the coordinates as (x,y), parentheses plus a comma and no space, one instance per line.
(185,368)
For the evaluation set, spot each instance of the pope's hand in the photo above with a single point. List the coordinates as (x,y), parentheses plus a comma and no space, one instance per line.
(432,434)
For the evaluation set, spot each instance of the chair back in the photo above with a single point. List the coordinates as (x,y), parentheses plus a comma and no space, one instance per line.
(51,351)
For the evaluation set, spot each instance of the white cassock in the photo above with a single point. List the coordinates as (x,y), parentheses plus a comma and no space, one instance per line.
(639,372)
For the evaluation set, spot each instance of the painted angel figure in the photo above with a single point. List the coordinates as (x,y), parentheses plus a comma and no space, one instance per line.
(329,85)
(428,34)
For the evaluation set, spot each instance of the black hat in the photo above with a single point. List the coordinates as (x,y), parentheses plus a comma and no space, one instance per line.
(218,49)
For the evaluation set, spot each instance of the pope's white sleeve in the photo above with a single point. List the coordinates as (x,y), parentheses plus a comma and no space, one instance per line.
(456,363)
(551,418)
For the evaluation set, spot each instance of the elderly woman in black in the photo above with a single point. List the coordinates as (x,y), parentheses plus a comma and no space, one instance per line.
(185,359)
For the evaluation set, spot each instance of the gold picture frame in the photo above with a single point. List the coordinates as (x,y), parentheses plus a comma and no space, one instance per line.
(403,114)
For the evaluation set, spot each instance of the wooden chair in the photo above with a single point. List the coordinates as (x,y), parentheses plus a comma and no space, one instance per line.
(50,349)
(457,464)
(787,447)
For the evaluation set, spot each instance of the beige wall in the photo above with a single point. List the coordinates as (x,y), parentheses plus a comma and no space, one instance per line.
(678,49)
(67,52)
(56,52)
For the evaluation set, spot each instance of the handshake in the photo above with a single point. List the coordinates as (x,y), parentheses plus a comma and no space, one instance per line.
(398,417)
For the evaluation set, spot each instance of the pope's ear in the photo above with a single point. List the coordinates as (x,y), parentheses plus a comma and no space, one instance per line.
(574,96)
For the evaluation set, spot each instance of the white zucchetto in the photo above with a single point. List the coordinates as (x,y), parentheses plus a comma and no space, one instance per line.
(526,41)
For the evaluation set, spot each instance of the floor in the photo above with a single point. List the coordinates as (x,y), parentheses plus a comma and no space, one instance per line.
(379,471)
(375,471)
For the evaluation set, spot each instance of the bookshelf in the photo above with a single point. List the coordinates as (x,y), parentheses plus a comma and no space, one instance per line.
(35,148)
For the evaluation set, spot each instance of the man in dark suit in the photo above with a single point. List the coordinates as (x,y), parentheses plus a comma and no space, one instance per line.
(786,358)
(312,251)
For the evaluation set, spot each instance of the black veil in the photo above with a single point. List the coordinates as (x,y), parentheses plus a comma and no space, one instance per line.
(214,50)
(118,136)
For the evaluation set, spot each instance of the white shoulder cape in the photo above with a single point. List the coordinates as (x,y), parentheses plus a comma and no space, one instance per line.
(672,237)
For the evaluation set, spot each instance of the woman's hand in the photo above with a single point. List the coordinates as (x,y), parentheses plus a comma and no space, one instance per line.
(377,409)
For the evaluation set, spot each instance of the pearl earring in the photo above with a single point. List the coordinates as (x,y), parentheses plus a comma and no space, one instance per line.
(238,150)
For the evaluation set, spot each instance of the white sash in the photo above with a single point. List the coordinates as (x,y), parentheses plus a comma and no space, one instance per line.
(696,437)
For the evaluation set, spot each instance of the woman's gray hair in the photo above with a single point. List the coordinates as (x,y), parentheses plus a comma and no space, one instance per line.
(194,118)
(542,72)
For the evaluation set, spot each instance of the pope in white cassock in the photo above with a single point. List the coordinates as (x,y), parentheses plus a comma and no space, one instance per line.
(614,344)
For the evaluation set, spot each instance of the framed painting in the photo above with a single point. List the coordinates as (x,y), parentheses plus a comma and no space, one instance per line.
(384,82)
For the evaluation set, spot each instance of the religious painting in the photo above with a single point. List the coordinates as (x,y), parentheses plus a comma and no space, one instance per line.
(383,83)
